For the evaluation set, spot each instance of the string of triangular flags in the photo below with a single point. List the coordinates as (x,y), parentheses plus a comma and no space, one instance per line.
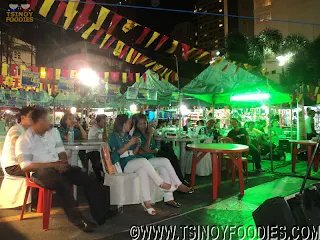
(37,79)
(102,22)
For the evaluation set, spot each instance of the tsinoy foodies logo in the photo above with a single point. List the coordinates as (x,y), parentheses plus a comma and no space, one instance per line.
(19,13)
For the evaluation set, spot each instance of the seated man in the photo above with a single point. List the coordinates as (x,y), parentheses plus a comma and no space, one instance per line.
(9,162)
(240,136)
(97,132)
(40,150)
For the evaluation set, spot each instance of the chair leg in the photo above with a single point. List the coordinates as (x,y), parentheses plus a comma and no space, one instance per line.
(24,202)
(246,166)
(228,163)
(46,209)
(40,201)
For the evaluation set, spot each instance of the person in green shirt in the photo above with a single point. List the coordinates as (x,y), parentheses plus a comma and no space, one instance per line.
(125,150)
(149,148)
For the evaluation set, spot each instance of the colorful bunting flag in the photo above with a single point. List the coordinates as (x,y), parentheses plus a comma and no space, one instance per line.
(137,77)
(136,58)
(70,13)
(88,32)
(155,35)
(114,22)
(109,43)
(97,36)
(124,51)
(102,17)
(173,47)
(129,26)
(124,77)
(45,8)
(60,10)
(143,35)
(161,42)
(118,48)
(83,18)
(106,38)
(185,50)
(130,55)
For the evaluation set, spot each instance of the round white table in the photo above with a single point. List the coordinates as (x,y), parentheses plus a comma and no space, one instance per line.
(75,148)
(183,143)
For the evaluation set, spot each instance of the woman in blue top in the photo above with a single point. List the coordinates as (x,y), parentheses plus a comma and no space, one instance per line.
(125,149)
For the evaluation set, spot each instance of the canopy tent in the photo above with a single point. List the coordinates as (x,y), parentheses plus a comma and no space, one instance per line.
(221,80)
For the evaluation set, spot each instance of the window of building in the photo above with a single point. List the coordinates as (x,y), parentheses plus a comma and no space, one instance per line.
(265,17)
(17,54)
(220,0)
(262,3)
(220,25)
(220,10)
(216,41)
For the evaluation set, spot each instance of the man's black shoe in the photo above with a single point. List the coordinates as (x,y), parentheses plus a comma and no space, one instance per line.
(87,226)
(111,213)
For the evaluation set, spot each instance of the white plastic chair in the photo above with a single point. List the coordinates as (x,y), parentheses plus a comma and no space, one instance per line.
(204,167)
(12,191)
(125,188)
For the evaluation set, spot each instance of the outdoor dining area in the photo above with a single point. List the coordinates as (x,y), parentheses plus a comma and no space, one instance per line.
(205,145)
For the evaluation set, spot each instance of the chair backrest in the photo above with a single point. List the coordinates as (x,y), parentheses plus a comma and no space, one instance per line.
(224,140)
(105,157)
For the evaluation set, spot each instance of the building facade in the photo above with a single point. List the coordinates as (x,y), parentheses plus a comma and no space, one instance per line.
(210,31)
(16,51)
(304,11)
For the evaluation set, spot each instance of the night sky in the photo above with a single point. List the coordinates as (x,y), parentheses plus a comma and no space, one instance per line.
(48,37)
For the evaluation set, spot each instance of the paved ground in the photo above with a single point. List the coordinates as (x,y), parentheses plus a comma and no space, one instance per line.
(197,209)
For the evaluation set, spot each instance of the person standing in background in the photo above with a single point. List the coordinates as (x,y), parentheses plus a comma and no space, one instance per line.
(310,130)
(97,132)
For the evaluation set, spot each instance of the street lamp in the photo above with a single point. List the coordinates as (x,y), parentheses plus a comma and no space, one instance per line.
(284,59)
(73,110)
(88,77)
(133,108)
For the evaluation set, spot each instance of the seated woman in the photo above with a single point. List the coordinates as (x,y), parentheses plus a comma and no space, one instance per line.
(276,131)
(213,129)
(125,149)
(149,148)
(68,121)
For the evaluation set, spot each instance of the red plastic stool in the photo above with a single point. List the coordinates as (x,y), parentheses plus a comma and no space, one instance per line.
(44,202)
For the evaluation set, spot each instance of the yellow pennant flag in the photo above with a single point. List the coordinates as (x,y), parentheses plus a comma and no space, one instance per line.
(137,77)
(150,64)
(22,68)
(300,97)
(106,76)
(45,8)
(129,56)
(202,55)
(316,90)
(118,48)
(145,59)
(106,38)
(173,47)
(136,58)
(102,17)
(167,76)
(318,98)
(4,71)
(9,81)
(124,77)
(157,67)
(87,33)
(43,73)
(129,25)
(70,13)
(164,72)
(176,77)
(73,73)
(155,35)
(58,73)
(191,50)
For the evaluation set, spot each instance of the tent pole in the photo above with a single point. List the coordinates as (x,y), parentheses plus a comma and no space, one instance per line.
(54,112)
(180,97)
(270,128)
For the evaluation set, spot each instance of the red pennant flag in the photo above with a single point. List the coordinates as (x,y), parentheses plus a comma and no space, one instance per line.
(160,70)
(53,89)
(237,69)
(225,67)
(143,35)
(50,73)
(115,20)
(185,49)
(34,69)
(140,59)
(131,77)
(109,43)
(33,4)
(144,77)
(114,76)
(161,42)
(147,62)
(1,79)
(16,82)
(160,78)
(60,10)
(83,18)
(124,51)
(134,55)
(199,52)
(100,75)
(173,76)
(97,36)
(65,73)
(13,69)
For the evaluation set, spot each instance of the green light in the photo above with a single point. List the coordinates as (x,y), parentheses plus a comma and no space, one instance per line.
(250,97)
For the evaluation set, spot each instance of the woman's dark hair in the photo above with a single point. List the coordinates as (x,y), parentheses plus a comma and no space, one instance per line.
(100,117)
(134,119)
(24,112)
(64,119)
(38,113)
(119,122)
(138,118)
(234,119)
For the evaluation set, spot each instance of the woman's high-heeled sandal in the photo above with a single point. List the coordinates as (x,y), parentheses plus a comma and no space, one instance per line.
(172,188)
(150,211)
